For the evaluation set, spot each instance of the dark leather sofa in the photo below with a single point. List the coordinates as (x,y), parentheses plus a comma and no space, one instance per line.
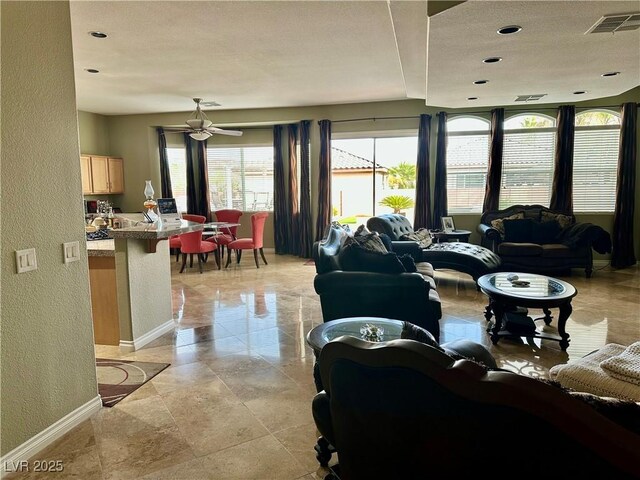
(463,257)
(401,296)
(403,409)
(570,247)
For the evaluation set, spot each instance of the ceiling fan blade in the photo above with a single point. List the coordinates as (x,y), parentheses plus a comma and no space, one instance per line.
(220,131)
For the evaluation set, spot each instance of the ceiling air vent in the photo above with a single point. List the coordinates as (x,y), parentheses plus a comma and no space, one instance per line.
(529,98)
(616,23)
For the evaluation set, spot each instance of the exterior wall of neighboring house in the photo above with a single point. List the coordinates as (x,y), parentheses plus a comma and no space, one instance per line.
(352,190)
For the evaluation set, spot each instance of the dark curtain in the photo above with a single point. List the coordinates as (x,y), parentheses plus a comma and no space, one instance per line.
(293,227)
(422,216)
(494,169)
(192,193)
(305,226)
(562,189)
(280,216)
(204,197)
(324,179)
(623,254)
(165,176)
(440,185)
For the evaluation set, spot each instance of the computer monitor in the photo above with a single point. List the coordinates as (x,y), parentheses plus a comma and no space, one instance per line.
(168,210)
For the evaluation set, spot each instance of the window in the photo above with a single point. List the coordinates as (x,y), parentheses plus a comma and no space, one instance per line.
(527,160)
(595,161)
(241,177)
(467,161)
(178,174)
(371,176)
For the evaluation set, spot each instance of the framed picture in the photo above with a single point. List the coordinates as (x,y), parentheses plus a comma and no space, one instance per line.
(447,224)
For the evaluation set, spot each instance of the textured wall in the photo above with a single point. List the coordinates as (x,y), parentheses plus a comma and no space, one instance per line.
(48,364)
(94,134)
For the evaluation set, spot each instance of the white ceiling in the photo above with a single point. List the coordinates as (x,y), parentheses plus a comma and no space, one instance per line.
(257,54)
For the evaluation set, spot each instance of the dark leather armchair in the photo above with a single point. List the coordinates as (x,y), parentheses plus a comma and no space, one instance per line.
(401,296)
(402,409)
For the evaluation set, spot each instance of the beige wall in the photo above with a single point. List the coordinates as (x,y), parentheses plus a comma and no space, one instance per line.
(48,364)
(133,137)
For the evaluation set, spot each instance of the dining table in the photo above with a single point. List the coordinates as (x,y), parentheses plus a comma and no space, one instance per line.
(213,229)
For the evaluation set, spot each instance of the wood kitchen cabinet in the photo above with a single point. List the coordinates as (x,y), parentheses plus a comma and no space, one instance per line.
(102,174)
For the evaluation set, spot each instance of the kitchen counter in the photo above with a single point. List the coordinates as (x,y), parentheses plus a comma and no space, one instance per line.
(101,248)
(136,229)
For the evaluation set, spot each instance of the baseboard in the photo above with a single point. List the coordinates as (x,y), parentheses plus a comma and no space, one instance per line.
(138,343)
(13,460)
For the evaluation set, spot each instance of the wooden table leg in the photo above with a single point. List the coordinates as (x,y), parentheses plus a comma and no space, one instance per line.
(565,312)
(498,313)
(547,315)
(487,312)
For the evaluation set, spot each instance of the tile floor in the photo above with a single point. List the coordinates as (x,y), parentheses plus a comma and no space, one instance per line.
(236,401)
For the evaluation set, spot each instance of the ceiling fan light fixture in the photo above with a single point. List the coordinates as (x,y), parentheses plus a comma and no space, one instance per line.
(200,136)
(199,123)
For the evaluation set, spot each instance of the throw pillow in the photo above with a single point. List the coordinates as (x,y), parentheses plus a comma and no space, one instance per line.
(422,236)
(545,232)
(386,240)
(498,223)
(369,240)
(408,263)
(354,258)
(563,220)
(623,412)
(419,334)
(519,230)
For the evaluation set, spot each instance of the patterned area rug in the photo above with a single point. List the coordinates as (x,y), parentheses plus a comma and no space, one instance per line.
(310,263)
(119,378)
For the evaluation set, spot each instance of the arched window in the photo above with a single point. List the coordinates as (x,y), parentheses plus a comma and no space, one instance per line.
(467,160)
(527,160)
(595,161)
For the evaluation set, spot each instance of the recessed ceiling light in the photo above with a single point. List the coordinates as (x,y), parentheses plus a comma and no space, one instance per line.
(610,74)
(92,70)
(472,98)
(492,60)
(480,82)
(580,92)
(508,30)
(98,34)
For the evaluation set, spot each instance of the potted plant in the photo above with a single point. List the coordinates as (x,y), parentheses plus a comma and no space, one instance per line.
(397,202)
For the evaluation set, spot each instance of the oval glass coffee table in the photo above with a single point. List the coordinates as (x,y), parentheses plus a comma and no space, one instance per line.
(322,334)
(538,291)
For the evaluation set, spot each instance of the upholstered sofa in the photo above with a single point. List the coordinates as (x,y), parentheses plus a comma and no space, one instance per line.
(403,409)
(361,293)
(464,257)
(534,238)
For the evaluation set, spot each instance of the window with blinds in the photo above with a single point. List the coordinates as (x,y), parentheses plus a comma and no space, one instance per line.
(241,178)
(467,161)
(178,174)
(527,160)
(595,161)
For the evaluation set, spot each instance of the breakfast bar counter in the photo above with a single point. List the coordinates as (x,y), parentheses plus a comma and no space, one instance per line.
(130,276)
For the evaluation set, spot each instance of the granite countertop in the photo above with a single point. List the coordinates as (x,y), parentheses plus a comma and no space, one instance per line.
(101,248)
(134,228)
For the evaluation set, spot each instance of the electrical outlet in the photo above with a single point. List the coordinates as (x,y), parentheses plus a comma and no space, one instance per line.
(26,260)
(71,252)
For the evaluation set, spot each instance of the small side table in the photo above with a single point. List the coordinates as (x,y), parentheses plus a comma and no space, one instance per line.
(454,236)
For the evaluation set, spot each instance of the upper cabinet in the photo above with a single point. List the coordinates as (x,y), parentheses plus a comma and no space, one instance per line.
(102,175)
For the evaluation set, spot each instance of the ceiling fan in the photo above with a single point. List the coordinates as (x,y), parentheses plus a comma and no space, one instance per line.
(200,127)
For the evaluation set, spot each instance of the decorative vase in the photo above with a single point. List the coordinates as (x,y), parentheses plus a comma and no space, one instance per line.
(149,202)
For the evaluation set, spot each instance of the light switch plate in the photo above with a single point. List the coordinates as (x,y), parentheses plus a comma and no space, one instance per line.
(71,252)
(26,260)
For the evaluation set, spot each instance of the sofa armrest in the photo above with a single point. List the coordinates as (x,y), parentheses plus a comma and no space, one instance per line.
(402,247)
(490,237)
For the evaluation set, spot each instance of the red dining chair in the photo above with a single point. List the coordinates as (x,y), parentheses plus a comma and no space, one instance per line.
(174,241)
(192,243)
(228,235)
(254,243)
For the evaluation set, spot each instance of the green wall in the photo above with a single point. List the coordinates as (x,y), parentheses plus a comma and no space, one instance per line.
(47,357)
(133,137)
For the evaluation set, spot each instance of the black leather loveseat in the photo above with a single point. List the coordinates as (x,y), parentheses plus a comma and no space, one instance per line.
(533,238)
(401,296)
(463,257)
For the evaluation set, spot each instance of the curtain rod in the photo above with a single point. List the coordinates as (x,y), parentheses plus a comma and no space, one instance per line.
(373,118)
